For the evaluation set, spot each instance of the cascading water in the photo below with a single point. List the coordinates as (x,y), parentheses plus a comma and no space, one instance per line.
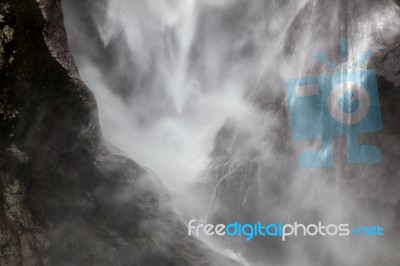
(195,91)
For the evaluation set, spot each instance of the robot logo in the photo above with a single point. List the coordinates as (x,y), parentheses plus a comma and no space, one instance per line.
(338,104)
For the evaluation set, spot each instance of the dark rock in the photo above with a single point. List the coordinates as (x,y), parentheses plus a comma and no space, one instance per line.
(65,198)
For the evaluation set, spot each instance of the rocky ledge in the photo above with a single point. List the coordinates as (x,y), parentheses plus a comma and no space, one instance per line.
(65,198)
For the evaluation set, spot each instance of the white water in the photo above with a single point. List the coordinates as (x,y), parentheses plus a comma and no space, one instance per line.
(195,64)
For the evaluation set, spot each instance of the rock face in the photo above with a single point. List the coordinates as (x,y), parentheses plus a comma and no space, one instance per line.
(65,198)
(256,186)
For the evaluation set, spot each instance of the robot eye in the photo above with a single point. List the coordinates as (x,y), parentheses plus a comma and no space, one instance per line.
(348,103)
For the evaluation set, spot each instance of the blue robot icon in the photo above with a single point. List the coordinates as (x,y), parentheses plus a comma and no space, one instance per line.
(330,105)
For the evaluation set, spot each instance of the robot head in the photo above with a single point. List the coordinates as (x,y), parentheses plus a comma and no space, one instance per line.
(337,104)
(334,105)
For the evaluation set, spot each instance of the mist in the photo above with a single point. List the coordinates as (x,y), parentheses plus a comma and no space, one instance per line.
(194,90)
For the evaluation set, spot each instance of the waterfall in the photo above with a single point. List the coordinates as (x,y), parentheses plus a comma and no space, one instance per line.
(196,91)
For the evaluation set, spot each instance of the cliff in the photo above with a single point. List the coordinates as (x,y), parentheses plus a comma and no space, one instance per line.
(65,198)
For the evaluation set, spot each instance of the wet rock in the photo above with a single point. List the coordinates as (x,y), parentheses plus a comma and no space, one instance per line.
(65,198)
